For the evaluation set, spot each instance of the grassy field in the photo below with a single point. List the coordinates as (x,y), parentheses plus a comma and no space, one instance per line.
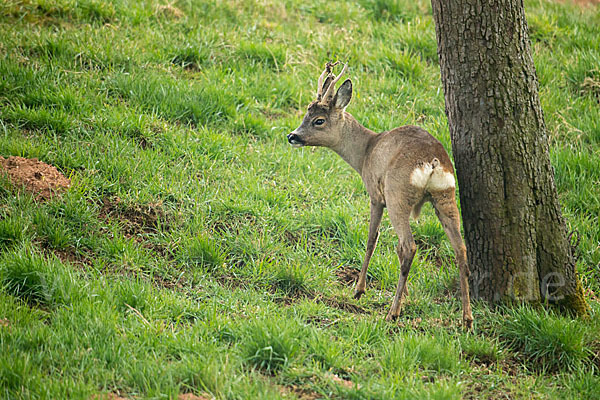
(197,253)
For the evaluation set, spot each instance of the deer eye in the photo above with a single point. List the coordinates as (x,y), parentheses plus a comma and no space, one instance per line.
(319,121)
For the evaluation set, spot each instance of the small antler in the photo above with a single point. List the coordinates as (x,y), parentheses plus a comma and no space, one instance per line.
(329,92)
(320,83)
(326,73)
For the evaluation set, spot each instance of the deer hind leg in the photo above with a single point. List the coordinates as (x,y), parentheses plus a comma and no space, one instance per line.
(376,213)
(406,250)
(447,212)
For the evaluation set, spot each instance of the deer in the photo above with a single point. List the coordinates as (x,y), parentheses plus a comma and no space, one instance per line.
(401,169)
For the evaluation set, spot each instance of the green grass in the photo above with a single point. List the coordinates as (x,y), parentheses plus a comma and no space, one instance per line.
(38,281)
(197,252)
(547,340)
(269,345)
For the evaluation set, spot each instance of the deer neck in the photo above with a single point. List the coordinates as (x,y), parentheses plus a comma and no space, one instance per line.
(353,147)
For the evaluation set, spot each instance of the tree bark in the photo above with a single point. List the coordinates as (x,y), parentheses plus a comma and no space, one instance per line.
(517,242)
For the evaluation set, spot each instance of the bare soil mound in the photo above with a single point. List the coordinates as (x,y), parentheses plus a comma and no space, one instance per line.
(39,178)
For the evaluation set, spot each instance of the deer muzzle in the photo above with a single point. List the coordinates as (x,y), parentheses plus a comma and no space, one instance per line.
(295,140)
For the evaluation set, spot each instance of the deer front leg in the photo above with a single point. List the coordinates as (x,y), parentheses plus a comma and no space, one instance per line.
(376,213)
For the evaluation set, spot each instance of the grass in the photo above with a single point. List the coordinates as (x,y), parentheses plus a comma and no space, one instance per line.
(197,252)
(547,340)
(270,346)
(38,281)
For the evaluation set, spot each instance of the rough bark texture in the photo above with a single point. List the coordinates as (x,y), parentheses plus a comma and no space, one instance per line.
(516,237)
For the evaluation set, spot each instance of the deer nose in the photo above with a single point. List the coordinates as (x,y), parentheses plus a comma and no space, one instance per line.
(294,139)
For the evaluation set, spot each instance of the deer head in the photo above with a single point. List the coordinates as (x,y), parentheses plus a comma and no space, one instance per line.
(323,123)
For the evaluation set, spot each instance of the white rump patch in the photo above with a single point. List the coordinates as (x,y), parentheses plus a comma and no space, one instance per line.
(431,176)
(441,180)
(420,176)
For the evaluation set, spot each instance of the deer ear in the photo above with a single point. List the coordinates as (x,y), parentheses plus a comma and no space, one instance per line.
(343,95)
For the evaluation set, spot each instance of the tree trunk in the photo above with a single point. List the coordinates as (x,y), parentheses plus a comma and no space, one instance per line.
(516,237)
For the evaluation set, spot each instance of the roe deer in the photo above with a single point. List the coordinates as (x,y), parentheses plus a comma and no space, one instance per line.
(401,169)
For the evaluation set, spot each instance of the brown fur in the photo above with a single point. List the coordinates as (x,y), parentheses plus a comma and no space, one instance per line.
(385,162)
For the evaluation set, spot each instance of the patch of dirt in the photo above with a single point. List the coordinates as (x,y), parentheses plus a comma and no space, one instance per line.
(412,323)
(343,382)
(107,396)
(347,275)
(191,396)
(591,85)
(299,392)
(169,11)
(4,323)
(482,360)
(136,219)
(291,237)
(71,256)
(342,304)
(39,178)
(169,283)
(321,321)
(144,143)
(231,222)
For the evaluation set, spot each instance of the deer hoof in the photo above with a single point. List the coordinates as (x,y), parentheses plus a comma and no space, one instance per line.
(391,317)
(468,323)
(358,294)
